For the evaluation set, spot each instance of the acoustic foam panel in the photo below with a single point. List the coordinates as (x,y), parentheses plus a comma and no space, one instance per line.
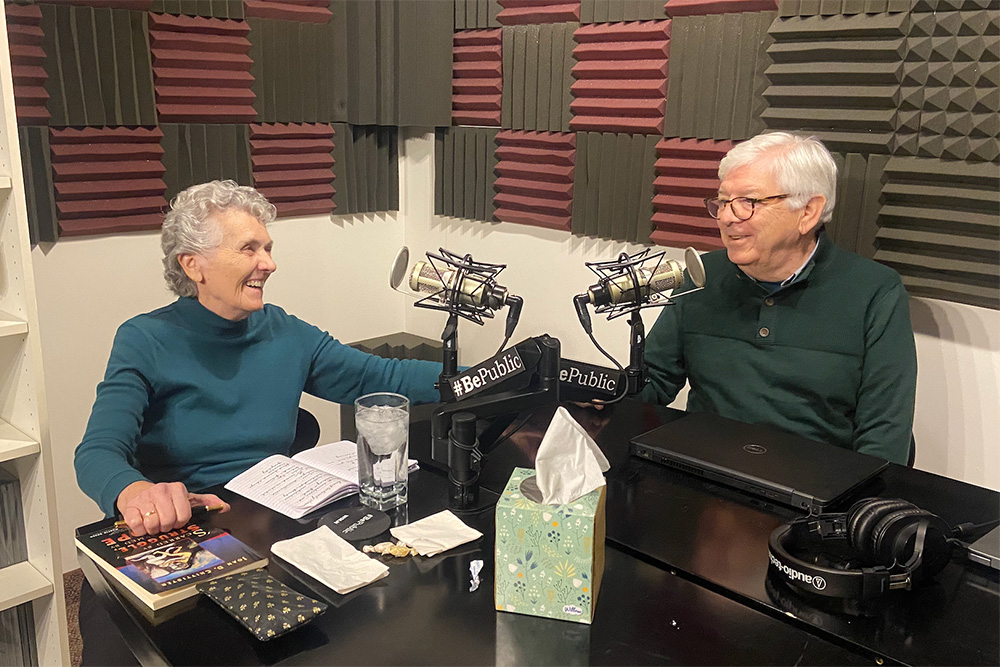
(537,74)
(98,67)
(477,77)
(847,7)
(309,11)
(107,179)
(293,166)
(299,71)
(534,184)
(27,63)
(612,186)
(218,9)
(949,97)
(837,77)
(470,14)
(855,215)
(366,167)
(687,171)
(938,226)
(621,77)
(523,12)
(716,83)
(36,168)
(136,5)
(201,70)
(198,152)
(465,161)
(700,7)
(611,11)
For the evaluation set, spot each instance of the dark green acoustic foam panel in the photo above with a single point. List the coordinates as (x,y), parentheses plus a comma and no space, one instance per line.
(27,63)
(533,12)
(537,74)
(612,186)
(293,166)
(366,167)
(218,9)
(716,80)
(837,77)
(477,78)
(938,226)
(464,172)
(534,184)
(686,173)
(471,14)
(39,194)
(198,152)
(611,11)
(98,66)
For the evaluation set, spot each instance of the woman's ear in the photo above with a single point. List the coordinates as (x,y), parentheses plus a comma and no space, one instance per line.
(811,213)
(191,265)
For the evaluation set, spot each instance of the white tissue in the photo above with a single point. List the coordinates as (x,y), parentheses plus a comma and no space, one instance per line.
(330,559)
(569,464)
(436,533)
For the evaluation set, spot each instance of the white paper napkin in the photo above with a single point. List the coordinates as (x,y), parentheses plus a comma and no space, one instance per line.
(569,464)
(436,533)
(330,559)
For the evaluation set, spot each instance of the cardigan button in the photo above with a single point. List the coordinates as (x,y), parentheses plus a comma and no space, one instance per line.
(764,332)
(768,301)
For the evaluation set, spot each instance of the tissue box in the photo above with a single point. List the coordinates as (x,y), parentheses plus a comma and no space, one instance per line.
(549,558)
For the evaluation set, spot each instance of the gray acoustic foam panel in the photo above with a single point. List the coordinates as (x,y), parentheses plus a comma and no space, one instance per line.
(938,226)
(534,184)
(716,81)
(98,66)
(218,9)
(848,7)
(837,77)
(464,172)
(39,193)
(613,186)
(695,7)
(859,186)
(537,73)
(950,98)
(366,167)
(198,152)
(477,77)
(610,11)
(471,14)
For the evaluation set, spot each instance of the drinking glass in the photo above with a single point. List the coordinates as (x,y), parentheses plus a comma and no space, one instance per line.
(383,423)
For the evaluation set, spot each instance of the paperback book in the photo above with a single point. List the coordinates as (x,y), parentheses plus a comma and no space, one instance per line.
(159,570)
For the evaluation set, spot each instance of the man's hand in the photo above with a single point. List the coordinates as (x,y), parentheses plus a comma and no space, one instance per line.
(150,508)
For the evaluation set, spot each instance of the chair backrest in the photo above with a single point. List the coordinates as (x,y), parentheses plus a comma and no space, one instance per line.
(306,432)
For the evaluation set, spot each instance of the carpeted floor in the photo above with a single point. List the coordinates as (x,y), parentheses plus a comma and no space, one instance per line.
(71,586)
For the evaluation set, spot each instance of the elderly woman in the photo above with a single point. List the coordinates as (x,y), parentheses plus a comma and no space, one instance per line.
(198,391)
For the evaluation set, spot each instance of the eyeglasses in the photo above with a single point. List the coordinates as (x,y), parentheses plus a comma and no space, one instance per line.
(742,207)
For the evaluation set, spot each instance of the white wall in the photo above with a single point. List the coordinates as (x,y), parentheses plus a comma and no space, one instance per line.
(333,273)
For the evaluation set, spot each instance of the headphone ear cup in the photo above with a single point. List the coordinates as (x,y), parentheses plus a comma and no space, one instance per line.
(894,539)
(864,520)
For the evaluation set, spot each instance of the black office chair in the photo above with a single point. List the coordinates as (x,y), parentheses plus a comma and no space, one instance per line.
(306,432)
(913,452)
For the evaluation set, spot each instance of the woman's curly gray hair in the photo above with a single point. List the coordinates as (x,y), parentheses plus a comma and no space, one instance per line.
(189,228)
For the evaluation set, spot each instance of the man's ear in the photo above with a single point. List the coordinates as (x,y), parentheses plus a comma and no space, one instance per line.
(191,265)
(811,213)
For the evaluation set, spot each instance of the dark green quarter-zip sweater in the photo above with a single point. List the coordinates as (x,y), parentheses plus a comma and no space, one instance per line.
(830,356)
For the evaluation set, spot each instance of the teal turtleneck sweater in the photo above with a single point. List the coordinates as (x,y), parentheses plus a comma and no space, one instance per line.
(191,397)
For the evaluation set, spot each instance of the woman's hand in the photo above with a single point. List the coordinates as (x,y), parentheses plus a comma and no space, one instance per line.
(150,508)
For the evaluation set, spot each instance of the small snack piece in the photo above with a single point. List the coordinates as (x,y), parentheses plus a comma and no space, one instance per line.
(399,550)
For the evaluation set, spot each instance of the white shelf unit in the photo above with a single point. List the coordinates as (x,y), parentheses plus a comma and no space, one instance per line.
(25,448)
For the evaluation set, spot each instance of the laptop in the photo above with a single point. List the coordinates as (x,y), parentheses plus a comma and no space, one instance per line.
(761,460)
(986,550)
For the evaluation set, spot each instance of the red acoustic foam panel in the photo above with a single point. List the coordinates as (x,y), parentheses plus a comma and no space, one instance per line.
(107,180)
(477,77)
(521,12)
(701,7)
(201,70)
(621,77)
(308,11)
(136,5)
(686,173)
(293,166)
(535,178)
(27,63)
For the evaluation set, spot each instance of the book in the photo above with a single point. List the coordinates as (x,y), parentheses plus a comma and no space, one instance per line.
(160,570)
(305,482)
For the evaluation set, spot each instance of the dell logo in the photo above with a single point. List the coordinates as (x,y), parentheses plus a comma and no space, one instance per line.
(754,448)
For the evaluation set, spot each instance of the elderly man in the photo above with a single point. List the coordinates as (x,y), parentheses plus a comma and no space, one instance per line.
(790,331)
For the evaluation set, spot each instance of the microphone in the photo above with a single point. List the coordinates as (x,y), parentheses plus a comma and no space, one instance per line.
(470,289)
(634,287)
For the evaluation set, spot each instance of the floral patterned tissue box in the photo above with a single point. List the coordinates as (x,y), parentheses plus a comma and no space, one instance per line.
(549,558)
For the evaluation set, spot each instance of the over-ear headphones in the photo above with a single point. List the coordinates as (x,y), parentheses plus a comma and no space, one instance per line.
(890,544)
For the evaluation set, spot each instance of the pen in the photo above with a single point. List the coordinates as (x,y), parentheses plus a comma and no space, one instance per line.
(196,511)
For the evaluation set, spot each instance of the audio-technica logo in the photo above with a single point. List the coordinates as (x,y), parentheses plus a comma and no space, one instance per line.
(817,582)
(754,448)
